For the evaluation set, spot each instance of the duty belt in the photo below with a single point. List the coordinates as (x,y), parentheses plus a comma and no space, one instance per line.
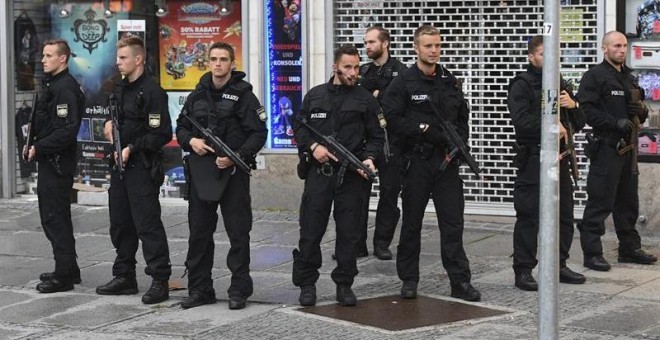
(622,147)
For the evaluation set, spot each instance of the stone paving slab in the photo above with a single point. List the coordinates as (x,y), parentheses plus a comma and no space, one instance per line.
(42,306)
(11,331)
(647,291)
(619,315)
(187,322)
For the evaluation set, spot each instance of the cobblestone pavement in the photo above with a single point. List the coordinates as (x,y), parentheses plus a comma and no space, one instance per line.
(621,304)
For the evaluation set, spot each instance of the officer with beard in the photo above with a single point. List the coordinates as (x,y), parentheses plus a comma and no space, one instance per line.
(375,76)
(348,112)
(412,119)
(607,96)
(524,102)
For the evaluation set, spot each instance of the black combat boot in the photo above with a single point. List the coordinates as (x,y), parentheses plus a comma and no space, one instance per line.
(119,285)
(158,292)
(566,275)
(525,281)
(409,290)
(597,262)
(199,297)
(465,291)
(307,296)
(345,295)
(638,256)
(55,285)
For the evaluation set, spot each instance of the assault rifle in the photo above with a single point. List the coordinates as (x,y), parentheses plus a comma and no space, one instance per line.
(570,142)
(29,137)
(219,147)
(346,157)
(458,146)
(116,139)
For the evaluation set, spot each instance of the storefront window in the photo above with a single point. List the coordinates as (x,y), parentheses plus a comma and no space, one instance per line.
(177,35)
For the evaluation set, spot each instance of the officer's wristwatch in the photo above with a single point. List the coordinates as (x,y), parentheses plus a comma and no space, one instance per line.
(422,127)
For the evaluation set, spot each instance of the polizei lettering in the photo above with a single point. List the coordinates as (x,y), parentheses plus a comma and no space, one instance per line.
(618,93)
(230,97)
(419,97)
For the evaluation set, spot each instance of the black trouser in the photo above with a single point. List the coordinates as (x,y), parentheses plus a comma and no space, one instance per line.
(54,193)
(526,203)
(134,217)
(235,206)
(423,180)
(612,188)
(387,213)
(318,196)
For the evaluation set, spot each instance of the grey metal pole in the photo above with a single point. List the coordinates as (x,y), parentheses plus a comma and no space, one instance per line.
(549,178)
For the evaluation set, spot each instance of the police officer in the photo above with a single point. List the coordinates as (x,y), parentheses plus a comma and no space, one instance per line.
(610,98)
(144,128)
(224,103)
(349,112)
(58,116)
(408,110)
(524,102)
(375,76)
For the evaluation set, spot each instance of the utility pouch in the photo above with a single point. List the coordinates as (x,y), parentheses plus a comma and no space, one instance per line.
(303,166)
(593,143)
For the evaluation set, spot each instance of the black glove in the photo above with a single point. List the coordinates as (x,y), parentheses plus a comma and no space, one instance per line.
(435,136)
(624,125)
(635,109)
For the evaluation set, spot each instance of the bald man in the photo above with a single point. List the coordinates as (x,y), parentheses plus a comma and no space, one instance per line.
(610,99)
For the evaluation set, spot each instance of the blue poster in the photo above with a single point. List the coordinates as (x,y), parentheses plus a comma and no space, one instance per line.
(92,38)
(284,70)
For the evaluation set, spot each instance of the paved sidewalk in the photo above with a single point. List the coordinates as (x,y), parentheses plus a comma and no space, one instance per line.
(621,304)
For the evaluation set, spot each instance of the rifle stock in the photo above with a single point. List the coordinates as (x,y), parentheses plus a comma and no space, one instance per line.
(344,155)
(459,145)
(219,147)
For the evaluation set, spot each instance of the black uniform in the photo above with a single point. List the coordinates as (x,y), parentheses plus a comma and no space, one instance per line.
(58,115)
(235,115)
(612,187)
(389,174)
(406,106)
(349,112)
(144,123)
(524,102)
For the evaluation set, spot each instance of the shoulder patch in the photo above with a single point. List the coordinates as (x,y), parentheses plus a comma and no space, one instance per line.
(62,110)
(154,120)
(261,112)
(459,84)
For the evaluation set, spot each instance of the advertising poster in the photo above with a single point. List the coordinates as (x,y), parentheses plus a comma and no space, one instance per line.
(185,35)
(92,38)
(284,70)
(172,165)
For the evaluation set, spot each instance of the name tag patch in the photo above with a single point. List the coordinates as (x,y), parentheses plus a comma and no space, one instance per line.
(419,97)
(62,110)
(319,115)
(261,112)
(230,97)
(154,120)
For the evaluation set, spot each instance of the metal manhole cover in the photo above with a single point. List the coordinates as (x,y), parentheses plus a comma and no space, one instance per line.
(393,313)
